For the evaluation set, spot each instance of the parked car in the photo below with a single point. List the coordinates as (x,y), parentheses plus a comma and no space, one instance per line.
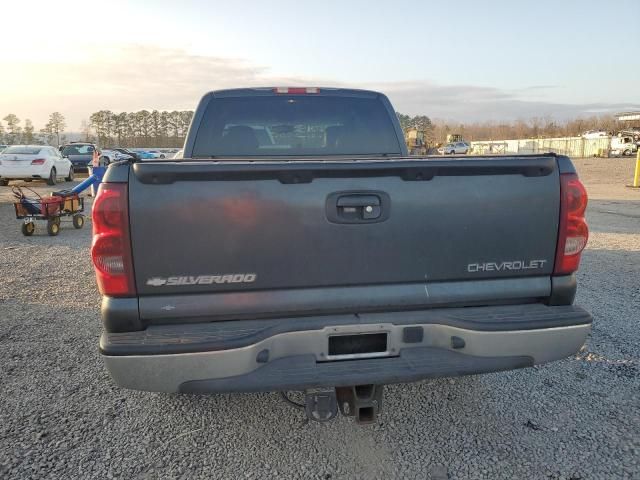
(127,154)
(79,153)
(2,147)
(454,148)
(30,162)
(331,247)
(145,155)
(130,153)
(178,154)
(117,154)
(595,134)
(157,154)
(108,156)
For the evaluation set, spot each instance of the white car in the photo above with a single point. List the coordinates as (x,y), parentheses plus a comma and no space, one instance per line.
(34,162)
(110,156)
(178,154)
(595,134)
(157,154)
(454,148)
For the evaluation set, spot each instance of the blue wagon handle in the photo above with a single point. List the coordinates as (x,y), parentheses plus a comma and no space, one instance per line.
(94,179)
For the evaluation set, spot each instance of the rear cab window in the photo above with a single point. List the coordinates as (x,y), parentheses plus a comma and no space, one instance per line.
(77,150)
(295,125)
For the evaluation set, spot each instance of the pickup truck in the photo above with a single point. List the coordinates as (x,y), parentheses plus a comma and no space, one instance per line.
(320,258)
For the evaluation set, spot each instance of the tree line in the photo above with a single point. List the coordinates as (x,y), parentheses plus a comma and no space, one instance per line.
(139,129)
(14,132)
(169,128)
(536,127)
(108,129)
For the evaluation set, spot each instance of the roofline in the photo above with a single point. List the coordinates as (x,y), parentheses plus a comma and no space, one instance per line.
(271,90)
(27,145)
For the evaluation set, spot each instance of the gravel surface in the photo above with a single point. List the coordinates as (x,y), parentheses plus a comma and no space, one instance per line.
(62,417)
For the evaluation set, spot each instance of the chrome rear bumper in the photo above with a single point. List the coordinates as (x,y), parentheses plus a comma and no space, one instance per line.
(298,359)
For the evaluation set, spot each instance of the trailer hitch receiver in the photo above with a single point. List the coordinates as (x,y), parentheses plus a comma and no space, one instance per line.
(361,401)
(364,402)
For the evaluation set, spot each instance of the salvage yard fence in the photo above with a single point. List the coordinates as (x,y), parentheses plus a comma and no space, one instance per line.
(570,146)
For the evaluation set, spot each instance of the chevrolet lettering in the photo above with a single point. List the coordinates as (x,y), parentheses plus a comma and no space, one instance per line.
(502,266)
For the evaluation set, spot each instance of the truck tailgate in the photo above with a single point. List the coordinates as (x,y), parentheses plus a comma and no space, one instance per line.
(224,239)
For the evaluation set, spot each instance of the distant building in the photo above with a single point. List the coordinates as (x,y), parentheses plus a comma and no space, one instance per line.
(631,118)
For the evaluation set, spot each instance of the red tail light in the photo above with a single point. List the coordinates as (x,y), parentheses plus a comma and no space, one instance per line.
(573,231)
(38,161)
(111,247)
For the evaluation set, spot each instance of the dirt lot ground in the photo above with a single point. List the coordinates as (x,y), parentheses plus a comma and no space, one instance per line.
(62,417)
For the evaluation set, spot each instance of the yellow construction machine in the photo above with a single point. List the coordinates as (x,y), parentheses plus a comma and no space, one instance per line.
(419,142)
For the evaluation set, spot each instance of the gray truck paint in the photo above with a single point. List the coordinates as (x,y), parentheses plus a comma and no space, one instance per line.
(458,244)
(311,301)
(281,233)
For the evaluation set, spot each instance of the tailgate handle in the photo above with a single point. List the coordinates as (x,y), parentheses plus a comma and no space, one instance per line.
(359,207)
(359,201)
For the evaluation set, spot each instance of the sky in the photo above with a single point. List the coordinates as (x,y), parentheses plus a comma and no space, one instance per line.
(458,61)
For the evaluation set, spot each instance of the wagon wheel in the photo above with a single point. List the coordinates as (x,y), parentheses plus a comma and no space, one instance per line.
(28,229)
(78,221)
(53,227)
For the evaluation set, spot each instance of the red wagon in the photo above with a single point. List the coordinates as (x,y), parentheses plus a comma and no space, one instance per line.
(50,209)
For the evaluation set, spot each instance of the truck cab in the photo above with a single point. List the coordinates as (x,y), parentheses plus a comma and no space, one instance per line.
(624,145)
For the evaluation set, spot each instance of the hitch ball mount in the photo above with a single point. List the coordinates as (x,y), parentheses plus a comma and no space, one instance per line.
(364,402)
